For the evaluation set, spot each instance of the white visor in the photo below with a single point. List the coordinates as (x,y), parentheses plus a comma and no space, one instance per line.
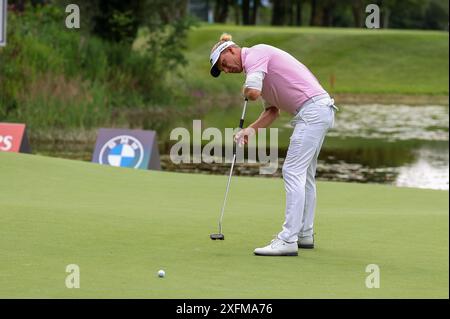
(214,57)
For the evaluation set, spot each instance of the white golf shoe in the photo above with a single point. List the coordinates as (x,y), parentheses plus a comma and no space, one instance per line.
(278,247)
(306,242)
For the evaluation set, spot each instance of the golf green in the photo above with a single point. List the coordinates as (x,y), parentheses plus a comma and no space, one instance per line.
(120,226)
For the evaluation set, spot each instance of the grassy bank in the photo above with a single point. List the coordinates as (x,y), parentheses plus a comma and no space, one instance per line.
(385,62)
(121,226)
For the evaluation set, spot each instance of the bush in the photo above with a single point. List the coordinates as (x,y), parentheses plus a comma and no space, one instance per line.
(54,77)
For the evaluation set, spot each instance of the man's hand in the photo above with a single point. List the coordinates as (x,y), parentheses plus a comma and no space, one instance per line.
(243,135)
(252,94)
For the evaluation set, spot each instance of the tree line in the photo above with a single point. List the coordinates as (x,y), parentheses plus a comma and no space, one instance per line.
(414,14)
(119,20)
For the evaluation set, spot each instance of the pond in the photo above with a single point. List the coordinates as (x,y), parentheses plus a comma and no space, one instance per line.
(401,145)
(404,145)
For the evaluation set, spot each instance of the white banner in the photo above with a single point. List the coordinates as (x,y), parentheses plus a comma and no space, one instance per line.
(3,6)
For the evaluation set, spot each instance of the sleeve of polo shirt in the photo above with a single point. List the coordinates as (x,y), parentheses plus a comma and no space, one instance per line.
(254,80)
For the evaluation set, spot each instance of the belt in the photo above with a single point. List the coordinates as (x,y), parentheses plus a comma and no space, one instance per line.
(316,98)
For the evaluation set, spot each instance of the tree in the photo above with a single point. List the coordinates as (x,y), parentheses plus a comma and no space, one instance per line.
(406,14)
(256,5)
(436,16)
(250,11)
(358,10)
(279,12)
(245,12)
(118,20)
(236,11)
(287,12)
(17,5)
(298,12)
(316,16)
(221,11)
(328,9)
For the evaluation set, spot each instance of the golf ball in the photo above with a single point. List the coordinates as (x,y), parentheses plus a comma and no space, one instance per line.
(161,273)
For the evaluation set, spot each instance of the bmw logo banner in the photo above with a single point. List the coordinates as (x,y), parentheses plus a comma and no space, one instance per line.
(127,148)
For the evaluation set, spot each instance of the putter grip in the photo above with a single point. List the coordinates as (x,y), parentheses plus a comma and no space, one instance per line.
(241,125)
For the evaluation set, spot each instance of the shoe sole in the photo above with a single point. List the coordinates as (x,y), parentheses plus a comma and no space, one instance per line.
(287,254)
(306,246)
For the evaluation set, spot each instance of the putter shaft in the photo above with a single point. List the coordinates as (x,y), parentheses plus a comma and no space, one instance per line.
(241,124)
(226,193)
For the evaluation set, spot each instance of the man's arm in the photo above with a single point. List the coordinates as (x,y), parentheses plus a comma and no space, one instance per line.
(267,117)
(252,91)
(264,120)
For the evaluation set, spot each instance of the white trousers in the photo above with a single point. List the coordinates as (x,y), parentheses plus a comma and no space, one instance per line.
(311,124)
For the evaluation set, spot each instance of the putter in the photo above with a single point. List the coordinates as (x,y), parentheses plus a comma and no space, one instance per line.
(220,235)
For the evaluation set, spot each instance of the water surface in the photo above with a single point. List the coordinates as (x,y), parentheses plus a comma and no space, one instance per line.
(401,145)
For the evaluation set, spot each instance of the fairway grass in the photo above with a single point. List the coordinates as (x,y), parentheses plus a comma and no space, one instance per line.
(121,226)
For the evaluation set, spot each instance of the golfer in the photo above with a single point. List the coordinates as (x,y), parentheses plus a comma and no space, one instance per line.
(285,84)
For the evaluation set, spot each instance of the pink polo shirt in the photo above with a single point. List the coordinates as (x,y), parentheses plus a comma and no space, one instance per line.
(287,83)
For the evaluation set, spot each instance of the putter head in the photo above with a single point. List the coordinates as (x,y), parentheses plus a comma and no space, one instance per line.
(217,236)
